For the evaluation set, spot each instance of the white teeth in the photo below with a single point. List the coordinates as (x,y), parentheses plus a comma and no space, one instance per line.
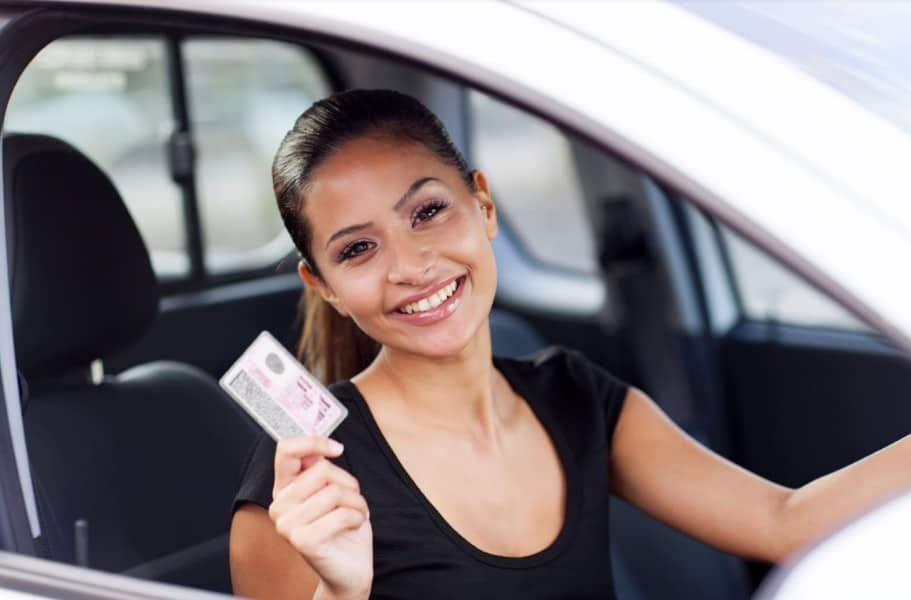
(431,301)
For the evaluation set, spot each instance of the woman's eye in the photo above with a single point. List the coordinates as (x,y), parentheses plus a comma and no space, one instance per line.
(427,211)
(354,249)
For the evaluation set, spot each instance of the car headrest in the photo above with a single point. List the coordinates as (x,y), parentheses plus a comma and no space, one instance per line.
(81,280)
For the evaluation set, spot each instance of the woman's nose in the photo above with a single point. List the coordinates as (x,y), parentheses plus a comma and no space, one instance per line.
(411,265)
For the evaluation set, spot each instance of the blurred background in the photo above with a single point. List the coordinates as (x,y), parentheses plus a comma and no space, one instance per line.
(244,94)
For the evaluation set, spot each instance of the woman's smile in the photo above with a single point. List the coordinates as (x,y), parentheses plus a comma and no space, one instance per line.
(441,301)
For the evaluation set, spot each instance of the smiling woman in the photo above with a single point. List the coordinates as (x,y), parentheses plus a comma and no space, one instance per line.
(375,258)
(315,137)
(461,474)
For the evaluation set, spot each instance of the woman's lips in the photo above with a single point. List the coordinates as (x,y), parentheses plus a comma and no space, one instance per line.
(437,313)
(440,288)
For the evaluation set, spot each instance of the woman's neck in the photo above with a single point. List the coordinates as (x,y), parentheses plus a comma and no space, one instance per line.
(457,392)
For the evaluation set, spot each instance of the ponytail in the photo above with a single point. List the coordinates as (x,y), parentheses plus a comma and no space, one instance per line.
(331,346)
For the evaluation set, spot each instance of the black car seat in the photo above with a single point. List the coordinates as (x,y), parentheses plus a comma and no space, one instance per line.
(150,458)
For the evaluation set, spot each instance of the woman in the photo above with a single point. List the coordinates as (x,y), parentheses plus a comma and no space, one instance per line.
(464,475)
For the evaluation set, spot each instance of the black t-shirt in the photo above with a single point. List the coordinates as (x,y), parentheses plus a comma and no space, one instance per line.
(418,555)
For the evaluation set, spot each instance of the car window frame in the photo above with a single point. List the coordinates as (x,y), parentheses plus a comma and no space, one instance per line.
(713,253)
(73,19)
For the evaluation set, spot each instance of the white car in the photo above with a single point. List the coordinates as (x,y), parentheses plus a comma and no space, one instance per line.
(711,200)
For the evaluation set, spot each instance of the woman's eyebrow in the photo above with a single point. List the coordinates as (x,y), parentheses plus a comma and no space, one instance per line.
(346,231)
(414,187)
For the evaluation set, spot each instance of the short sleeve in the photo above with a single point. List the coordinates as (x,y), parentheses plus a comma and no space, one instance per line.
(259,474)
(577,396)
(607,390)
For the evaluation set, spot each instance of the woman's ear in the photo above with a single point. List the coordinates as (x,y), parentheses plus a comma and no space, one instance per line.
(316,282)
(309,279)
(485,203)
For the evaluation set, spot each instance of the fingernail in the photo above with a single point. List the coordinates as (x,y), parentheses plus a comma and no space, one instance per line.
(335,446)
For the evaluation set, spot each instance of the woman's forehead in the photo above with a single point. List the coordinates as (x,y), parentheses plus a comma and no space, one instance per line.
(374,158)
(368,175)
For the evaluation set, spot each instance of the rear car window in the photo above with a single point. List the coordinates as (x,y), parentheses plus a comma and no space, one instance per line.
(241,96)
(771,292)
(75,88)
(244,95)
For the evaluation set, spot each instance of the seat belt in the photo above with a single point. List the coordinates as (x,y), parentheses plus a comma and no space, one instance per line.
(640,294)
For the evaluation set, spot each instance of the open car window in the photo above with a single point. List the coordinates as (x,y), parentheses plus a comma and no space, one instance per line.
(189,148)
(184,118)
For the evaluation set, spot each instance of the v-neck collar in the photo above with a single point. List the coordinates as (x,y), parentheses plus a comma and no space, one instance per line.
(520,377)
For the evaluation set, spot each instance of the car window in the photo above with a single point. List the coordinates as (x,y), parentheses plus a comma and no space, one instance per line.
(76,88)
(530,165)
(241,97)
(771,292)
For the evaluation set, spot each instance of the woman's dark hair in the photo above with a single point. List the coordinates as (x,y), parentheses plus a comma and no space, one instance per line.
(332,346)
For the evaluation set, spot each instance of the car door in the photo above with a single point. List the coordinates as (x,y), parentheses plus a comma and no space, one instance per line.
(190,297)
(806,388)
(551,287)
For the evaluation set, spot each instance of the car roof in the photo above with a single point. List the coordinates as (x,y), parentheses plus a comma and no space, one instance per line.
(805,173)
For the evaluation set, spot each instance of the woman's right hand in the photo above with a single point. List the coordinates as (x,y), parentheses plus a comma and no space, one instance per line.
(319,509)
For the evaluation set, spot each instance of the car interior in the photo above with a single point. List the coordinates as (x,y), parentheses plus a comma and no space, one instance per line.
(145,254)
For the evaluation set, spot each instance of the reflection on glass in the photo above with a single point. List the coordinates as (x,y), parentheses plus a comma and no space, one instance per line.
(771,292)
(244,96)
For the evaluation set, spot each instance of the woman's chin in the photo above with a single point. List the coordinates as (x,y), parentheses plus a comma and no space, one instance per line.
(438,345)
(437,349)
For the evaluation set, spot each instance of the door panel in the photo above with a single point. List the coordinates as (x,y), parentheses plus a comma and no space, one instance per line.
(803,403)
(801,406)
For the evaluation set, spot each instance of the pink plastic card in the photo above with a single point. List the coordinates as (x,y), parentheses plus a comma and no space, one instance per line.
(279,393)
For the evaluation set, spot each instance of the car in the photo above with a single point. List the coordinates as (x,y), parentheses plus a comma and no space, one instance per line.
(708,218)
(860,559)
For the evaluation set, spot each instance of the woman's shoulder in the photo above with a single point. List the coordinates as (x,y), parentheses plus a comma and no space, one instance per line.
(567,387)
(563,363)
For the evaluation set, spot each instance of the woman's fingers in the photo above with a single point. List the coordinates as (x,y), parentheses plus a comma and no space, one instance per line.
(318,508)
(292,455)
(310,540)
(304,493)
(312,480)
(323,502)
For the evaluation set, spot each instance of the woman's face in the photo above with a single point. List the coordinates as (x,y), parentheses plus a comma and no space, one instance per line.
(402,245)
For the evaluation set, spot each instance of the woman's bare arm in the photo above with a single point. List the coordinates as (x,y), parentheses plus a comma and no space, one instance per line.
(263,564)
(657,467)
